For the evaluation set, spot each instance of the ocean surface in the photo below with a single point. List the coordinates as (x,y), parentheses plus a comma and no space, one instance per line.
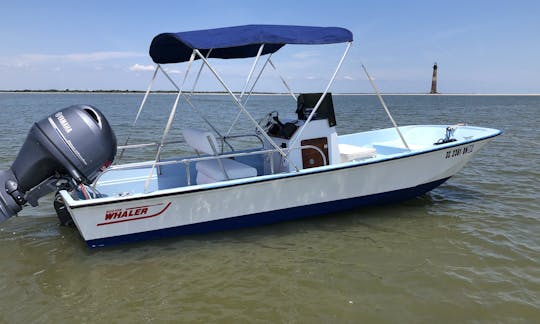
(469,251)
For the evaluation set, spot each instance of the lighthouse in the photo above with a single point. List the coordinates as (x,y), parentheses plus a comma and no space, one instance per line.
(434,80)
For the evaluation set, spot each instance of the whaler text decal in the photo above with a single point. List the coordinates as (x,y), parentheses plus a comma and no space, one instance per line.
(120,215)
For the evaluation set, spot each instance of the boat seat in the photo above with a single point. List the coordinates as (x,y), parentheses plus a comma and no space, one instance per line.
(349,152)
(218,169)
(211,171)
(202,141)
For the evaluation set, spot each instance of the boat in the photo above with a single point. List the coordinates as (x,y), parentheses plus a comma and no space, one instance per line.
(296,167)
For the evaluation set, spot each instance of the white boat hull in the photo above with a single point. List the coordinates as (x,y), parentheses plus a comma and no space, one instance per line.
(266,199)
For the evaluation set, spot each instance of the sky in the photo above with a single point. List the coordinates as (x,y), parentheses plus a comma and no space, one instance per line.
(479,46)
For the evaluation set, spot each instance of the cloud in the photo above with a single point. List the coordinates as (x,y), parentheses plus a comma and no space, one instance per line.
(26,59)
(139,67)
(451,33)
(350,78)
(306,54)
(170,71)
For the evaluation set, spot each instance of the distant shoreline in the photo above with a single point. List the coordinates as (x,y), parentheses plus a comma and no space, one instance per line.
(68,91)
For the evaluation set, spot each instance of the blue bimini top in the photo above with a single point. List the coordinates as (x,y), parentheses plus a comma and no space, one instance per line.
(240,41)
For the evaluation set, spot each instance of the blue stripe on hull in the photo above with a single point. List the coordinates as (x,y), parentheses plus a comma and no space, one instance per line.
(272,216)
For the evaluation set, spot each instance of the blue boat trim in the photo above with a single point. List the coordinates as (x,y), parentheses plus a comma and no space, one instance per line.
(272,216)
(92,203)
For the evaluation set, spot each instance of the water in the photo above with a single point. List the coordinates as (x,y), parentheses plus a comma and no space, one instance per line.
(467,251)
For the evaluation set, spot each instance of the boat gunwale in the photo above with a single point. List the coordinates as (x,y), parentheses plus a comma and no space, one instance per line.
(77,204)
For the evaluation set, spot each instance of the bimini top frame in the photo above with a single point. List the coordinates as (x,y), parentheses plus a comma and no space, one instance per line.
(236,42)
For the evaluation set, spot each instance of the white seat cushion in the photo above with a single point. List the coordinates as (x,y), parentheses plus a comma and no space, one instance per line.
(352,152)
(200,140)
(204,179)
(235,169)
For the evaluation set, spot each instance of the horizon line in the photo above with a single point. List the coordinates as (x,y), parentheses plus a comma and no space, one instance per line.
(263,92)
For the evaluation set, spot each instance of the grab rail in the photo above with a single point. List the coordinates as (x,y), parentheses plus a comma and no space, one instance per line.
(187,162)
(131,146)
(223,139)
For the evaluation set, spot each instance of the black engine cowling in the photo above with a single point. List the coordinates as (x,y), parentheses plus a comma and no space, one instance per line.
(75,142)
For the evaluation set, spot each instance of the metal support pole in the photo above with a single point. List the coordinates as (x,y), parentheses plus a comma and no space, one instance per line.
(245,87)
(199,74)
(140,110)
(332,79)
(187,98)
(241,106)
(282,79)
(169,123)
(251,71)
(385,108)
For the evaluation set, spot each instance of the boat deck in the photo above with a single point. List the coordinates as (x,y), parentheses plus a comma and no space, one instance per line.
(125,182)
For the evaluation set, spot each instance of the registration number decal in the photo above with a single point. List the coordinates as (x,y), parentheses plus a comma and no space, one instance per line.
(459,151)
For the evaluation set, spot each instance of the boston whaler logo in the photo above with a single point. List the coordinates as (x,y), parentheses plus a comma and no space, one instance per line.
(120,215)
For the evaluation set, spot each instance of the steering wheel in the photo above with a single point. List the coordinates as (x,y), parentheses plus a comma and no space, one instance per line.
(268,120)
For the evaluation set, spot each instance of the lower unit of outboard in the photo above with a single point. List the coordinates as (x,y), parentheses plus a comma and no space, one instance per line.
(66,149)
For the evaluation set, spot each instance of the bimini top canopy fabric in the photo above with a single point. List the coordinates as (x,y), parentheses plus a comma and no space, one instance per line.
(240,41)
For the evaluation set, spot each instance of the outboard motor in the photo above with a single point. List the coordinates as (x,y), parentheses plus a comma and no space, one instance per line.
(71,145)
